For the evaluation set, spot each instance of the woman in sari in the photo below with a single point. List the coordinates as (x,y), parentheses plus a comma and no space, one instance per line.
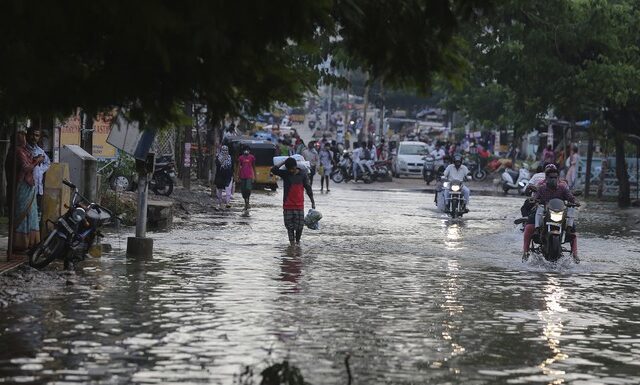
(26,226)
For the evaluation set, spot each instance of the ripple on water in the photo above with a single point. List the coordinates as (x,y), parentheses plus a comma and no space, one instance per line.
(412,296)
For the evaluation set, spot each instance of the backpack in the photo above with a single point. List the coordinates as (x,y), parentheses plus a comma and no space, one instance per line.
(367,154)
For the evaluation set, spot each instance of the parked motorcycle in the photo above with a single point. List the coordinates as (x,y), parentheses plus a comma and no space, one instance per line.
(555,231)
(381,171)
(73,233)
(517,180)
(477,172)
(164,176)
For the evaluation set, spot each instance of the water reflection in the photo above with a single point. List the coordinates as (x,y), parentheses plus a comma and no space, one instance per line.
(291,269)
(552,316)
(413,297)
(454,233)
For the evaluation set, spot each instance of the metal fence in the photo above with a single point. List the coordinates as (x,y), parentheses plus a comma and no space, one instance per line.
(610,181)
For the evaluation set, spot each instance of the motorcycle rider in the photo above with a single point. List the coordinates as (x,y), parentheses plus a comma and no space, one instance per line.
(369,157)
(438,155)
(457,171)
(552,188)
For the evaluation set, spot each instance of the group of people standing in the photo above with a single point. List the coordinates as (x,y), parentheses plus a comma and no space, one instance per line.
(25,167)
(566,161)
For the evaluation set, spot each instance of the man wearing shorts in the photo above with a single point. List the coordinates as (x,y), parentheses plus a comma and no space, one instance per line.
(247,175)
(296,181)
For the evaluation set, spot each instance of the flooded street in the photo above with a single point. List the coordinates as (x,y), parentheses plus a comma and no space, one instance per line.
(411,296)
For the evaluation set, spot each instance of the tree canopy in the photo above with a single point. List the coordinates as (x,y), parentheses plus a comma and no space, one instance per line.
(152,55)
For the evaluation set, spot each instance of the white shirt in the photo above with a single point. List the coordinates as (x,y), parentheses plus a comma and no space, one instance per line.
(438,156)
(39,170)
(356,154)
(453,173)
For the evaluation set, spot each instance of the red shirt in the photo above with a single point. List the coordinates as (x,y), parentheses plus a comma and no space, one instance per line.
(246,166)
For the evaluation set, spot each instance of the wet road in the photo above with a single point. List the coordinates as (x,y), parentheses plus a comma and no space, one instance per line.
(410,295)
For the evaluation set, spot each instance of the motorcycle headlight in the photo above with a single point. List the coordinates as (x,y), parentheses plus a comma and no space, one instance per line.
(455,188)
(556,216)
(78,214)
(446,184)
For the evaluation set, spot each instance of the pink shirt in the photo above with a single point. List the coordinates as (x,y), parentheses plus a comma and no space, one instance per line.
(246,166)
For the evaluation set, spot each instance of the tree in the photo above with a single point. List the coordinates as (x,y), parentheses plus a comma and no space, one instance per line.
(577,58)
(150,56)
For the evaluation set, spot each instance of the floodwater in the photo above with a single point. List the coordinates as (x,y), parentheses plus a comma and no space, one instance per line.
(409,295)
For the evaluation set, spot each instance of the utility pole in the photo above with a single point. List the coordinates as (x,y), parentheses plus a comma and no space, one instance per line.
(382,108)
(140,245)
(86,131)
(186,159)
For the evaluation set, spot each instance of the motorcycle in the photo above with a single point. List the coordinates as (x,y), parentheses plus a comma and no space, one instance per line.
(344,171)
(555,230)
(512,179)
(455,205)
(73,234)
(164,175)
(477,173)
(428,169)
(381,171)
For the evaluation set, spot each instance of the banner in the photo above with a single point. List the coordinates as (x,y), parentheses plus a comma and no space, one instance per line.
(70,134)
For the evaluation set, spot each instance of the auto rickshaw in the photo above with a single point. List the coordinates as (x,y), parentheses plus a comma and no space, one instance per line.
(263,151)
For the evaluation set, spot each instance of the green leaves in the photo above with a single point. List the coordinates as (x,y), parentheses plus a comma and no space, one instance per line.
(151,56)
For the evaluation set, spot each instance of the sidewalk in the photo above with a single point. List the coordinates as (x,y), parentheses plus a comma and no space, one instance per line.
(15,260)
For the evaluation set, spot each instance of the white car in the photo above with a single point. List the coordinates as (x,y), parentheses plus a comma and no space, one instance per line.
(409,159)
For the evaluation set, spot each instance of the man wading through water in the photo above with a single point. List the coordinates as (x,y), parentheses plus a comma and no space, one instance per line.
(295,182)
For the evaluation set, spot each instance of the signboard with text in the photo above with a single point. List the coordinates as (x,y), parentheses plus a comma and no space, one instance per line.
(70,132)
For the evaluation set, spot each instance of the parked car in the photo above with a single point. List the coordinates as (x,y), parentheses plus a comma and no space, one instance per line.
(409,159)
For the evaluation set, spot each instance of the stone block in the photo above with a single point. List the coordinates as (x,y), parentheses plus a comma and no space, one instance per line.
(159,215)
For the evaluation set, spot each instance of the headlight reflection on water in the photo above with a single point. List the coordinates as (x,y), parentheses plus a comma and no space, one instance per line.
(552,329)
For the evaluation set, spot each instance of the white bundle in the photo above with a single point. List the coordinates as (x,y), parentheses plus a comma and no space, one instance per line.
(303,164)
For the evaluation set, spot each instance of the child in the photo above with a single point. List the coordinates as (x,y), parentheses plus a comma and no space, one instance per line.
(295,182)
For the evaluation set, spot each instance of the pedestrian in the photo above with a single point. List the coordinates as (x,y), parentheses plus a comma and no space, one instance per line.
(572,172)
(247,174)
(224,177)
(325,158)
(295,181)
(311,155)
(26,225)
(548,155)
(33,137)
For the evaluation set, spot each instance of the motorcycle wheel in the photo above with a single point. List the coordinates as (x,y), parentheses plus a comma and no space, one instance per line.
(554,248)
(366,179)
(163,185)
(119,182)
(506,190)
(480,175)
(45,252)
(337,176)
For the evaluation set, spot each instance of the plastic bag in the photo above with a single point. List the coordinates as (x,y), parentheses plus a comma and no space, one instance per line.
(312,219)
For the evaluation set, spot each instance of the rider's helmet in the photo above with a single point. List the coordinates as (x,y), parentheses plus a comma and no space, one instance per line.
(457,160)
(550,169)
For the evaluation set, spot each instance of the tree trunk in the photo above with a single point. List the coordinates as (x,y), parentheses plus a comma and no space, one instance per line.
(624,189)
(4,148)
(365,125)
(382,108)
(587,175)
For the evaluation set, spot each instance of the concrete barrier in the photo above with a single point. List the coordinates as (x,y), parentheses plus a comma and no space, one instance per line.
(159,215)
